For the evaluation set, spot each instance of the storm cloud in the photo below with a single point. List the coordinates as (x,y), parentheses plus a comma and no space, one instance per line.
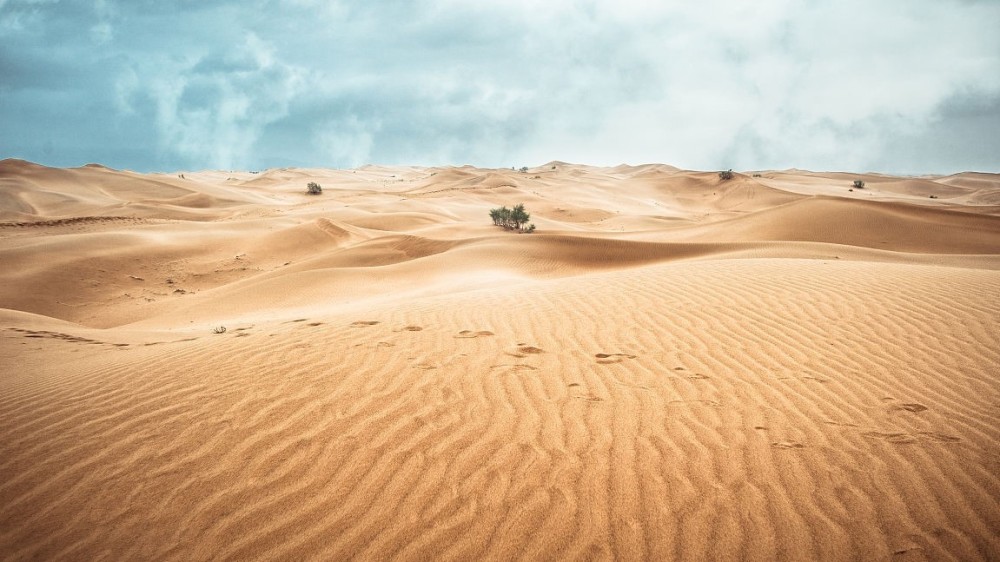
(902,86)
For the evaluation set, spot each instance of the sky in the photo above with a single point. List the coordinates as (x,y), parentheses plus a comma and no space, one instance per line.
(896,86)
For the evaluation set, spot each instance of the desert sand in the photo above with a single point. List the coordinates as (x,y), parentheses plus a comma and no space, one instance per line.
(672,367)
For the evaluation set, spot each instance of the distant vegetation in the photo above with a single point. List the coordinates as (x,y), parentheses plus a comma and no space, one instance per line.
(859,184)
(726,174)
(512,219)
(313,188)
(524,169)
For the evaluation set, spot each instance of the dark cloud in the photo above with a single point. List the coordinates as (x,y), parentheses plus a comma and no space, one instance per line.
(897,86)
(962,129)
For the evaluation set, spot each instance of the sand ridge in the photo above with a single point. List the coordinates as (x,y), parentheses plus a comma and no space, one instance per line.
(673,367)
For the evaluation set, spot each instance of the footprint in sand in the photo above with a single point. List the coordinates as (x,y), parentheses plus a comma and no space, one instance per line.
(841,424)
(314,324)
(607,358)
(363,323)
(911,407)
(787,445)
(895,438)
(906,438)
(697,376)
(469,334)
(940,437)
(513,368)
(524,350)
(411,329)
(56,335)
(711,403)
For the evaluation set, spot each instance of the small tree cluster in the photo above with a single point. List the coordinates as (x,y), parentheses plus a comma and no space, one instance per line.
(859,184)
(313,188)
(512,219)
(726,174)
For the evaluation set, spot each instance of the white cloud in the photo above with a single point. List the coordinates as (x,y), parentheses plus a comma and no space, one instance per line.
(102,32)
(21,15)
(211,109)
(347,142)
(806,84)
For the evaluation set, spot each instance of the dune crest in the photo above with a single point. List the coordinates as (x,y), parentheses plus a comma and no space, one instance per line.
(673,366)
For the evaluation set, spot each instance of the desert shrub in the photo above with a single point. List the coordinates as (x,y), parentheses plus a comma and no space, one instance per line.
(756,175)
(313,188)
(726,174)
(858,184)
(524,169)
(514,218)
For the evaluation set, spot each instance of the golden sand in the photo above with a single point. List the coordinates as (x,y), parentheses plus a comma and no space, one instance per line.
(672,367)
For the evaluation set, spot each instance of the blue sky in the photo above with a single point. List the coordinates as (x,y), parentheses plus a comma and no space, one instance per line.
(902,86)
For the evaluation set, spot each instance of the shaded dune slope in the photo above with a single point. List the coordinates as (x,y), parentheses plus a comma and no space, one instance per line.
(866,224)
(32,193)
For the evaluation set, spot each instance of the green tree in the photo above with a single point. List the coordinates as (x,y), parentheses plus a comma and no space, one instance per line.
(515,218)
(519,216)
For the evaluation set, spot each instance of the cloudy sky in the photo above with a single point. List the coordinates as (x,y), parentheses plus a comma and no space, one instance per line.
(903,86)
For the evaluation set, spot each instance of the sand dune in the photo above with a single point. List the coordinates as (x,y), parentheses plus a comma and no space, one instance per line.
(672,367)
